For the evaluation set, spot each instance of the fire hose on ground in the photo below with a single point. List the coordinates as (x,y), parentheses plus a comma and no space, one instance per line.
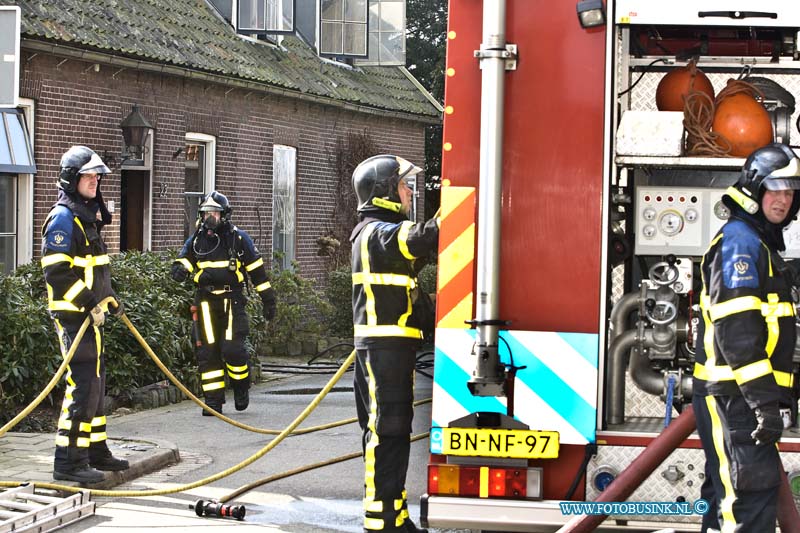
(289,430)
(653,455)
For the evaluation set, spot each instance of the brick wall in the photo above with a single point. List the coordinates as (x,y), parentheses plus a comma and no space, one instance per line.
(78,104)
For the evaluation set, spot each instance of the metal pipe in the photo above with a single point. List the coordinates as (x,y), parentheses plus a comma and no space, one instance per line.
(620,312)
(636,472)
(646,378)
(616,374)
(489,376)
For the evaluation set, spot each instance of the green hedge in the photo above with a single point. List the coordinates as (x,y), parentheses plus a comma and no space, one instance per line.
(158,308)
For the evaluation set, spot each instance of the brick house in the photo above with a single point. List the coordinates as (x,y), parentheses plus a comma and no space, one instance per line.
(256,120)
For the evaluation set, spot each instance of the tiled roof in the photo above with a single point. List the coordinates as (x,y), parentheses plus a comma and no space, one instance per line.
(188,34)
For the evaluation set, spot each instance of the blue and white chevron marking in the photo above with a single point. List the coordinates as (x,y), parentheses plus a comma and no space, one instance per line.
(557,391)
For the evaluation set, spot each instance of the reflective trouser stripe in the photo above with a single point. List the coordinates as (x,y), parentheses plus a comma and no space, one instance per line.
(98,429)
(728,498)
(80,442)
(213,380)
(207,327)
(369,451)
(238,372)
(229,329)
(725,373)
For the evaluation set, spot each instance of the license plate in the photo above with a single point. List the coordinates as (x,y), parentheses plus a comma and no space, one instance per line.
(482,442)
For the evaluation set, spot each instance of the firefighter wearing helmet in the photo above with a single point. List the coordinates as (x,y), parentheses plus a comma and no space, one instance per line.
(745,341)
(387,250)
(219,257)
(78,277)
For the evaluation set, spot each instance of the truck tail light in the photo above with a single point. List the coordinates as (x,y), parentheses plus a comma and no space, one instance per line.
(484,481)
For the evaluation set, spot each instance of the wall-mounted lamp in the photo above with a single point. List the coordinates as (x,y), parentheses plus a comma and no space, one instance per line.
(591,13)
(134,131)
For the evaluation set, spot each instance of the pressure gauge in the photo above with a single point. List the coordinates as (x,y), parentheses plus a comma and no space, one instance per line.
(670,223)
(721,211)
(649,213)
(691,214)
(649,231)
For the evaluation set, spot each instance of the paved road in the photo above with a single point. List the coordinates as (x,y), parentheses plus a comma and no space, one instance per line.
(326,499)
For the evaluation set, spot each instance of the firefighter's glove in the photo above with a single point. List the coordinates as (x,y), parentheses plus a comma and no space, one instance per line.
(116,308)
(269,304)
(770,425)
(178,273)
(97,315)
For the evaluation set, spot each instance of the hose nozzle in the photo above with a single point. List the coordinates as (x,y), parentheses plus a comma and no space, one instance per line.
(218,510)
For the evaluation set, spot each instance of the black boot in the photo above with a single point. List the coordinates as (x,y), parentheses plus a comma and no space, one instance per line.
(108,463)
(410,527)
(81,474)
(241,399)
(217,406)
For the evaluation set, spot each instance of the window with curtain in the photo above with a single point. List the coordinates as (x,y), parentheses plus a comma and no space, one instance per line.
(8,223)
(284,210)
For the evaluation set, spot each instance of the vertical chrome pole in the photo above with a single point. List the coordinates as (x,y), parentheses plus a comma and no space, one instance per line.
(489,376)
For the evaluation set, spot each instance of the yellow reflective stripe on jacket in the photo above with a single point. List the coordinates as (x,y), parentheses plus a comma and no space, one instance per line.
(399,280)
(402,239)
(52,259)
(369,306)
(78,222)
(186,264)
(212,264)
(255,264)
(92,260)
(733,306)
(61,305)
(386,331)
(73,291)
(773,308)
(262,287)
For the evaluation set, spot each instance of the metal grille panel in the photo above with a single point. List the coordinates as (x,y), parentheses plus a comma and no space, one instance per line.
(684,463)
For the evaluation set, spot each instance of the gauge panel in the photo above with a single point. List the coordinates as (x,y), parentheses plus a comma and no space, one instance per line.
(677,220)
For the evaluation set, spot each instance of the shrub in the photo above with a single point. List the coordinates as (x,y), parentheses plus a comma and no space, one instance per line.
(340,294)
(302,310)
(427,278)
(159,310)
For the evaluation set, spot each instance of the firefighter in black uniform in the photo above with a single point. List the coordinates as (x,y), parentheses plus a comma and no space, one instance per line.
(386,246)
(745,342)
(76,270)
(219,257)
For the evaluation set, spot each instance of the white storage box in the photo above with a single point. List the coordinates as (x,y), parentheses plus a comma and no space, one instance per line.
(650,133)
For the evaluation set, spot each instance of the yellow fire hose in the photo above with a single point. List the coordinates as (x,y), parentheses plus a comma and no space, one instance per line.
(53,382)
(299,470)
(283,434)
(289,430)
(230,421)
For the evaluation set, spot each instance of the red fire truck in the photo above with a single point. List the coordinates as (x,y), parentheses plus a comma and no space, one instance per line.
(573,227)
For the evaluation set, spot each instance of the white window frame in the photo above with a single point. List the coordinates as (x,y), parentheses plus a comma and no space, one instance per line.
(209,162)
(209,179)
(280,152)
(25,194)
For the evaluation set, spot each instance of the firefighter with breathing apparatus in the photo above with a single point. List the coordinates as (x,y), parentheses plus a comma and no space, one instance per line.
(219,257)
